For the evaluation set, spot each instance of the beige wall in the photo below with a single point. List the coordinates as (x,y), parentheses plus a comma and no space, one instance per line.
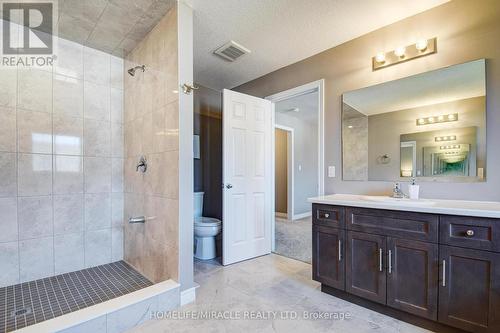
(152,129)
(281,171)
(466,30)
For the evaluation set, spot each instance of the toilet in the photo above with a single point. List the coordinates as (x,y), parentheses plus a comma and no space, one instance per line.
(205,230)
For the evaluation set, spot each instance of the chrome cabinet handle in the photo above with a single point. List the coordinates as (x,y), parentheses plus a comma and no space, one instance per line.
(380,260)
(469,233)
(444,273)
(340,250)
(390,261)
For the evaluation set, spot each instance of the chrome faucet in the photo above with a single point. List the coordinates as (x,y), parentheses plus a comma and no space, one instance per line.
(397,192)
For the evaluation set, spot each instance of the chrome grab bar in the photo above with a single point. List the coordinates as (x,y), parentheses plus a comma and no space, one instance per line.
(138,219)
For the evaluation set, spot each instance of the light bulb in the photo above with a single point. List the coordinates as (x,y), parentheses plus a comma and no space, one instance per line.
(421,45)
(451,117)
(440,118)
(380,57)
(430,119)
(421,121)
(400,51)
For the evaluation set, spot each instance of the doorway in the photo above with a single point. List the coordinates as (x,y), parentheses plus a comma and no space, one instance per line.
(298,169)
(283,172)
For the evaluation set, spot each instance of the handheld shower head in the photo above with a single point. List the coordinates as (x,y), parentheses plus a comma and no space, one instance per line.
(131,71)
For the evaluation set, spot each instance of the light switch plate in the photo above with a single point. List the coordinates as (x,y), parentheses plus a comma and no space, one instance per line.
(331,171)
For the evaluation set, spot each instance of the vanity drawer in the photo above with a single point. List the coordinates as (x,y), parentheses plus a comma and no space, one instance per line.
(409,225)
(331,216)
(470,232)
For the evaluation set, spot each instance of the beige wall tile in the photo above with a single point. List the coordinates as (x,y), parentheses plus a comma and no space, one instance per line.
(34,174)
(34,132)
(68,96)
(97,138)
(8,140)
(8,174)
(8,226)
(35,217)
(35,90)
(68,135)
(68,174)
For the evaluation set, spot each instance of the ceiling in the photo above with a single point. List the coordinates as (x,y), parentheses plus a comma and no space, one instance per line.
(440,86)
(306,105)
(112,26)
(282,32)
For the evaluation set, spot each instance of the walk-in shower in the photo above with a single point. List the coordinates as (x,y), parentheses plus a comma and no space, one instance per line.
(72,134)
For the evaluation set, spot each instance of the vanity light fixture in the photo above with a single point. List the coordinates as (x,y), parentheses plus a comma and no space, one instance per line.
(437,119)
(445,138)
(380,57)
(400,51)
(449,147)
(421,48)
(422,44)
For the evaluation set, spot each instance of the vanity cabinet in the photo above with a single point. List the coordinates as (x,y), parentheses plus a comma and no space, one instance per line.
(469,293)
(420,265)
(328,264)
(365,273)
(412,277)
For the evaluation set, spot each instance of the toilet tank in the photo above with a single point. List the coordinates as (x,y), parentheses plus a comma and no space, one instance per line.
(198,204)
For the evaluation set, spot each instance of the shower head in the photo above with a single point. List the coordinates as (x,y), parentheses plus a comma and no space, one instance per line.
(131,71)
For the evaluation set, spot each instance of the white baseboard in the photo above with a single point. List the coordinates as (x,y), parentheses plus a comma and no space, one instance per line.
(188,295)
(281,215)
(301,216)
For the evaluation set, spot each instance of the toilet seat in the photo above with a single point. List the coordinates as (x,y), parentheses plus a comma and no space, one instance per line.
(203,221)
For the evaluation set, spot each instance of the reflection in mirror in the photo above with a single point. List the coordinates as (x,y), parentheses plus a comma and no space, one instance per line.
(431,126)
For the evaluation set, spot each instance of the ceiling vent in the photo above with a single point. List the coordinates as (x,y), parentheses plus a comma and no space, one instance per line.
(231,51)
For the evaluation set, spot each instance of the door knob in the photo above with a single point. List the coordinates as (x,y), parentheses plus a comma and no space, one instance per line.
(469,233)
(229,186)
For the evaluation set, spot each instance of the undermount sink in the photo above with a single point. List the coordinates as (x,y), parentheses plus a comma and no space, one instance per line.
(398,201)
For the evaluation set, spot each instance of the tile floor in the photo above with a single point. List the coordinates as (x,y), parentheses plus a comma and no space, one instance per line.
(32,302)
(294,238)
(269,283)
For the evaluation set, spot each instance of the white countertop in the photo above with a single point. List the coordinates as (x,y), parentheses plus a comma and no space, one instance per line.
(448,207)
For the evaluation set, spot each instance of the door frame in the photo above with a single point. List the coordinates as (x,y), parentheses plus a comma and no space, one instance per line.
(290,160)
(318,85)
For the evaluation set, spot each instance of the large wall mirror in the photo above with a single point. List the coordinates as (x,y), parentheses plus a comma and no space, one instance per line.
(431,126)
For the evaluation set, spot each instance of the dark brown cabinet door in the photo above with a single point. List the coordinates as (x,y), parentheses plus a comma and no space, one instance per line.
(365,272)
(328,256)
(412,277)
(469,289)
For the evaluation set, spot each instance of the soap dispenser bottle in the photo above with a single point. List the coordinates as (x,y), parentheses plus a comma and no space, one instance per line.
(413,189)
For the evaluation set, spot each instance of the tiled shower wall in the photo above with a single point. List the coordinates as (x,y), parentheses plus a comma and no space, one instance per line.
(152,130)
(61,164)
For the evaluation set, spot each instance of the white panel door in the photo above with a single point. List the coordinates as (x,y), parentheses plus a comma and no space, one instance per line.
(247,176)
